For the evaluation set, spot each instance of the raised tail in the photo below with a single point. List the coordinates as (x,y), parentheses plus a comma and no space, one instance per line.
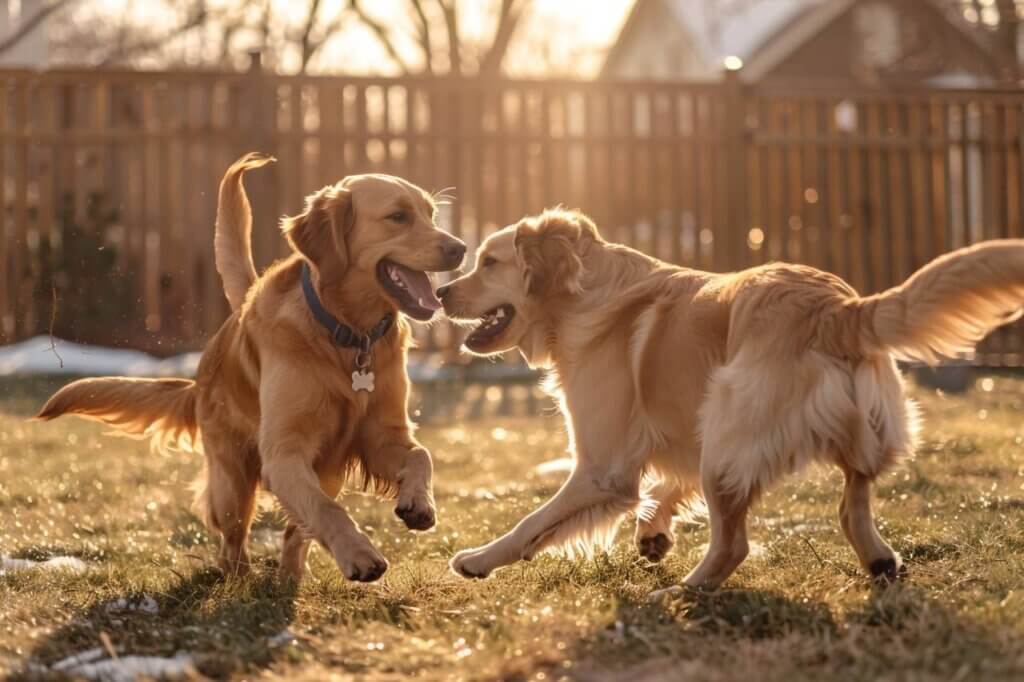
(162,409)
(948,306)
(232,242)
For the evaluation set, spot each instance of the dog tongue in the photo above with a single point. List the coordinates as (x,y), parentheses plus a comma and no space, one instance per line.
(418,285)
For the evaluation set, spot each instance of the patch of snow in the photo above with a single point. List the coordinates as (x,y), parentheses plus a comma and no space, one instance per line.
(35,356)
(125,669)
(562,465)
(266,536)
(60,563)
(281,639)
(142,603)
(87,656)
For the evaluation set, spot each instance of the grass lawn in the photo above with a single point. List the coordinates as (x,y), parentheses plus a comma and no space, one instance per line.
(799,608)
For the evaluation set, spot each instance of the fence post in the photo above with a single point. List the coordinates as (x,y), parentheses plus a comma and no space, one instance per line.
(260,136)
(730,248)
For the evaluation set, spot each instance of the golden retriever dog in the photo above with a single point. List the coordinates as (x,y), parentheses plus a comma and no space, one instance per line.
(682,387)
(283,401)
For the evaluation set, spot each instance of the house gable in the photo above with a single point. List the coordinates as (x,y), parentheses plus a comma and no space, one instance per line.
(855,42)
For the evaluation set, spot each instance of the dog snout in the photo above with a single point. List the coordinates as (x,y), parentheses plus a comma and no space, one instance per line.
(453,251)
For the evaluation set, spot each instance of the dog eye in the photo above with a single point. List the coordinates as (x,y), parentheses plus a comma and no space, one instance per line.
(399,216)
(488,262)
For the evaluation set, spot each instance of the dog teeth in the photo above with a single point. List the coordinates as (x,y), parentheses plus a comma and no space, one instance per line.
(501,313)
(419,302)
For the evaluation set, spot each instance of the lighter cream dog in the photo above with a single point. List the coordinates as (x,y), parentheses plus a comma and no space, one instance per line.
(681,387)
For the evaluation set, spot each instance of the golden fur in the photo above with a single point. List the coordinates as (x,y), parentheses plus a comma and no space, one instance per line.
(273,401)
(681,387)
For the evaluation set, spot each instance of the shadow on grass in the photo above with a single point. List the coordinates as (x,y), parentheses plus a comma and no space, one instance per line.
(898,627)
(226,624)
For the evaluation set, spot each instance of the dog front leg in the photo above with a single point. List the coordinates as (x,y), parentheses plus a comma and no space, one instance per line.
(393,455)
(289,438)
(318,516)
(583,503)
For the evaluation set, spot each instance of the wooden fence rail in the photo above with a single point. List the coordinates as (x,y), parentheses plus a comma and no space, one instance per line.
(108,179)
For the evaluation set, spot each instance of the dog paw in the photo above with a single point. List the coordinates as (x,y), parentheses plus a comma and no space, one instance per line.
(416,516)
(471,563)
(674,592)
(362,564)
(887,570)
(666,594)
(654,548)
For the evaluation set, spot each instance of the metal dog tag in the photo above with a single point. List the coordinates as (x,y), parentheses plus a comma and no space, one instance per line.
(362,380)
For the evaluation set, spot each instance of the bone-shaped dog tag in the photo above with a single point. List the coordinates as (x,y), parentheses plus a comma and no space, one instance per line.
(362,381)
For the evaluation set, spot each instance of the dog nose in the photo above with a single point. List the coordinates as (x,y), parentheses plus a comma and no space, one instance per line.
(453,251)
(443,291)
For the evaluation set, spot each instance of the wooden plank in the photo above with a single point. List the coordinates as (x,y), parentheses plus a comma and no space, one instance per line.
(502,212)
(965,189)
(676,183)
(8,252)
(881,270)
(811,187)
(833,196)
(896,192)
(44,160)
(796,237)
(208,176)
(1012,141)
(940,145)
(858,207)
(412,144)
(920,219)
(778,221)
(25,315)
(152,216)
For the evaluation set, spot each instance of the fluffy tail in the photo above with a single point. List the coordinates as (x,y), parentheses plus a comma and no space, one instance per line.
(232,243)
(161,409)
(947,306)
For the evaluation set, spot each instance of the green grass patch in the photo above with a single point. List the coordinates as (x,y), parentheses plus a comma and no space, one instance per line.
(799,608)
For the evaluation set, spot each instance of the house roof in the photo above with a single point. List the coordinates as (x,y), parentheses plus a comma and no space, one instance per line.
(740,32)
(762,33)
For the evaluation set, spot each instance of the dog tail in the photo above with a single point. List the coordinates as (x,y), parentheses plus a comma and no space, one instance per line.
(232,241)
(947,306)
(163,410)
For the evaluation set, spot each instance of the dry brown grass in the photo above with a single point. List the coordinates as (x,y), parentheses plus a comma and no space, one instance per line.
(798,609)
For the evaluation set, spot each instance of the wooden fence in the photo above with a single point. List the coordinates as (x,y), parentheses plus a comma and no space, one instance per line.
(108,179)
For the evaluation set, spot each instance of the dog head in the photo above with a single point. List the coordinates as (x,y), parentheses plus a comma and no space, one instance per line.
(382,226)
(523,273)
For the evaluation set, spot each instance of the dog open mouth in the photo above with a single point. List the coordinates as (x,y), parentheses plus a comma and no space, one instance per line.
(411,289)
(491,325)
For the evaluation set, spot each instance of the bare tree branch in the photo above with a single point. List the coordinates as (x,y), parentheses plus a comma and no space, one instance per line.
(310,44)
(194,18)
(424,36)
(1009,25)
(508,21)
(305,43)
(451,22)
(381,32)
(27,26)
(265,19)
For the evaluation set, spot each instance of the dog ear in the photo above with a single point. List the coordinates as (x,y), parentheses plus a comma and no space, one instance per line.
(319,232)
(548,247)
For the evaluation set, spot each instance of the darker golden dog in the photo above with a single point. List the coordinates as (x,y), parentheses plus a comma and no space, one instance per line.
(277,400)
